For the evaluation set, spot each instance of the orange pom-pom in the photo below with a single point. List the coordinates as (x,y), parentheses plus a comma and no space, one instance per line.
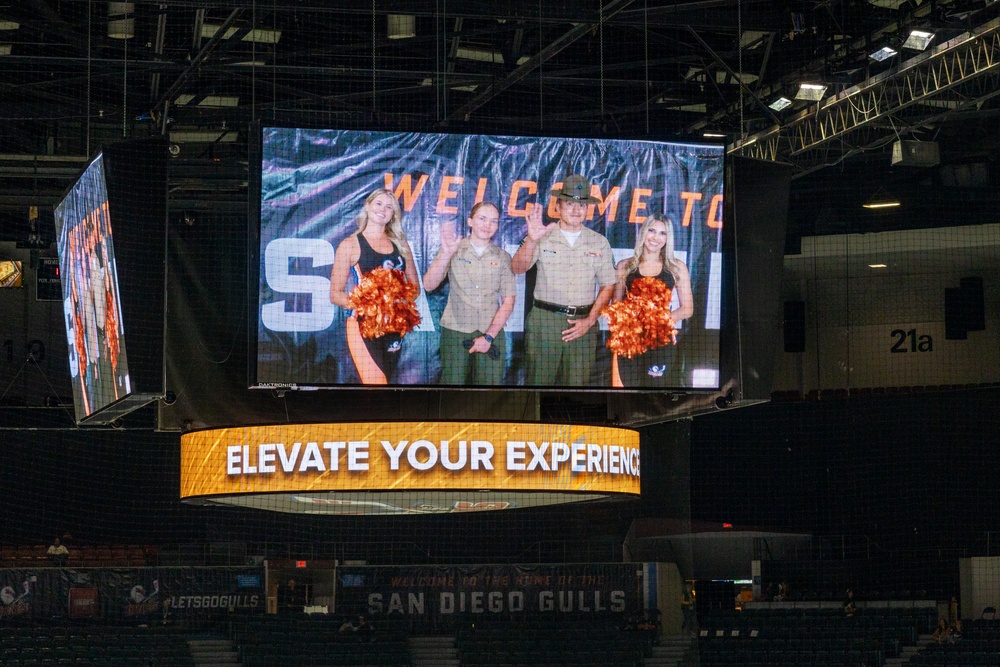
(385,303)
(642,320)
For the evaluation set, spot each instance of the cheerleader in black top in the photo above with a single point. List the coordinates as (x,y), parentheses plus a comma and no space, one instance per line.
(653,258)
(379,243)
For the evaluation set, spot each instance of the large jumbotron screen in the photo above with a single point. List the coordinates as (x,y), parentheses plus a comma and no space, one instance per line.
(98,364)
(533,289)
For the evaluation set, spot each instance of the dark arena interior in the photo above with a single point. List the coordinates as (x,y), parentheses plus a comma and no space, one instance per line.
(499,333)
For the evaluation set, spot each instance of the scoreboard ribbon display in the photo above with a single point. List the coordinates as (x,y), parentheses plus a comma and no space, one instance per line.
(402,456)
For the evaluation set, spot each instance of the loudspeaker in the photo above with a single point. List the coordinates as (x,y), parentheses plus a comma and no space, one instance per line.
(916,153)
(975,313)
(795,326)
(954,307)
(756,213)
(963,309)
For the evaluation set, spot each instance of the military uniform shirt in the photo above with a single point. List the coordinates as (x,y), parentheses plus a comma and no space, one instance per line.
(570,275)
(476,285)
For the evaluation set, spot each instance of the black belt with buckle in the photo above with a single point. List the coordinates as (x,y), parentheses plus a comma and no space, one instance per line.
(572,311)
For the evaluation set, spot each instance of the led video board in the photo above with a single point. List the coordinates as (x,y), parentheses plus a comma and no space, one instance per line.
(98,361)
(112,283)
(11,273)
(408,467)
(414,259)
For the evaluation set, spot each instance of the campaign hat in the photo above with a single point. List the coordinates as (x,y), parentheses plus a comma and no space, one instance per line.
(575,188)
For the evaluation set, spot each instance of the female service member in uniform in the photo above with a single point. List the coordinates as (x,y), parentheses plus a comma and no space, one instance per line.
(480,299)
(653,258)
(379,243)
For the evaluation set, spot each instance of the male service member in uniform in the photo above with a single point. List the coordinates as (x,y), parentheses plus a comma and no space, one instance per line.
(575,280)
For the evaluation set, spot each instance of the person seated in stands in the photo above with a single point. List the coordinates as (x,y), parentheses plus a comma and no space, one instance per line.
(771,593)
(955,631)
(58,553)
(941,631)
(782,592)
(347,626)
(849,607)
(365,630)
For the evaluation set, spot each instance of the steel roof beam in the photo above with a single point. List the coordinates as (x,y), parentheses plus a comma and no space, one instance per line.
(563,41)
(951,66)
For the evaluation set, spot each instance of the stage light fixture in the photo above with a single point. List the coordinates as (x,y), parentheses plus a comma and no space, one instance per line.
(883,54)
(401,26)
(918,40)
(121,20)
(881,199)
(780,103)
(813,92)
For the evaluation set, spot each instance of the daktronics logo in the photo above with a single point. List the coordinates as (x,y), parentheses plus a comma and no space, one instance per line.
(213,601)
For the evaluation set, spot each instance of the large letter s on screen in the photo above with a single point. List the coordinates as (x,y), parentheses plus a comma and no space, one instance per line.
(276,256)
(74,360)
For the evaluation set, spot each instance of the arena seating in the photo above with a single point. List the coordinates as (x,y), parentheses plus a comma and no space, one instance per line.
(978,647)
(314,641)
(294,640)
(599,641)
(93,646)
(108,555)
(807,636)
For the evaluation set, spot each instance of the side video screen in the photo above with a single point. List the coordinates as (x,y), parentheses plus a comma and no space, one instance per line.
(91,298)
(415,259)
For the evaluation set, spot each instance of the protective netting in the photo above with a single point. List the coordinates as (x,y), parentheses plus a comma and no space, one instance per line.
(872,468)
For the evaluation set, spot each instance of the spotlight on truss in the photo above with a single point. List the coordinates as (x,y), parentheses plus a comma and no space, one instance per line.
(813,92)
(883,54)
(780,103)
(918,40)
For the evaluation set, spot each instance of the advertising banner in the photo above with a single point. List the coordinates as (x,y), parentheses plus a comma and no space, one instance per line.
(17,588)
(83,602)
(396,456)
(137,593)
(317,186)
(489,591)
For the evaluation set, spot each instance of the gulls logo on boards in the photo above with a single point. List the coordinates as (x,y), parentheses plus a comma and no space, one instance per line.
(656,371)
(14,604)
(139,602)
(138,593)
